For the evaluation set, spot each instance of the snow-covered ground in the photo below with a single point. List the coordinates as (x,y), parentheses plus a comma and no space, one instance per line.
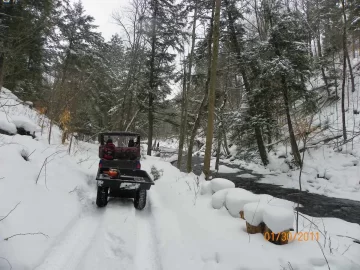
(178,229)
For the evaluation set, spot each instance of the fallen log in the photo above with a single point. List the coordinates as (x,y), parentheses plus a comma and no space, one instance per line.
(326,140)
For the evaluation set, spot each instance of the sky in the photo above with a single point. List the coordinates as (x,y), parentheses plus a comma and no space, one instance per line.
(102,10)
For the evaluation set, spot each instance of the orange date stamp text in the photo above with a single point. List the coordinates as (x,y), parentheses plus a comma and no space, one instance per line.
(290,236)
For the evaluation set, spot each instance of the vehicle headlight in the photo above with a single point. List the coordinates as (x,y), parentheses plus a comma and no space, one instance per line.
(100,183)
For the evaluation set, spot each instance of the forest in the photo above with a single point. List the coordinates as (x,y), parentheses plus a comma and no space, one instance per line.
(251,73)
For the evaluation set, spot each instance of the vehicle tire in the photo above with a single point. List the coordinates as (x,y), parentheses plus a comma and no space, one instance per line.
(140,199)
(102,196)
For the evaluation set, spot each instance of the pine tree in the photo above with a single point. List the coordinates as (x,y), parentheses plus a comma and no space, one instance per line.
(75,37)
(289,63)
(164,32)
(24,30)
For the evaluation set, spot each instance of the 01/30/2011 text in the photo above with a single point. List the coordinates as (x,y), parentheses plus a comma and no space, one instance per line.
(289,236)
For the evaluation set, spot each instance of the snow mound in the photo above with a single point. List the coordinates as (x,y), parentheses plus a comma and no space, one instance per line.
(219,197)
(278,219)
(25,123)
(221,183)
(253,213)
(273,201)
(237,198)
(7,126)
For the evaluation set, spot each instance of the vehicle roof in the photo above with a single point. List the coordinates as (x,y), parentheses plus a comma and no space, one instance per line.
(120,133)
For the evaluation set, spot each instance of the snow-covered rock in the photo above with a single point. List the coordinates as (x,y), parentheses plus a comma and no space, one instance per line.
(7,126)
(221,183)
(237,198)
(29,103)
(278,219)
(253,213)
(25,123)
(219,197)
(284,168)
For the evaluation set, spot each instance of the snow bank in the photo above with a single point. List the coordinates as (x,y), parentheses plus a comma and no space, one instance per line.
(278,219)
(49,196)
(213,239)
(237,198)
(221,183)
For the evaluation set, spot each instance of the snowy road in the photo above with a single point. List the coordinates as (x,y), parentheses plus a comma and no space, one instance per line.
(115,237)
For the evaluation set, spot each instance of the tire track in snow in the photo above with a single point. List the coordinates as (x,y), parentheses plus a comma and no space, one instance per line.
(117,237)
(101,239)
(71,248)
(147,253)
(113,246)
(169,240)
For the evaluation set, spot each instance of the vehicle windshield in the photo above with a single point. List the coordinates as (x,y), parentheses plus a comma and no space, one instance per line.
(121,141)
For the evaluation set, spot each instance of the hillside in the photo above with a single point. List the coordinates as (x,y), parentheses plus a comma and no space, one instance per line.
(49,219)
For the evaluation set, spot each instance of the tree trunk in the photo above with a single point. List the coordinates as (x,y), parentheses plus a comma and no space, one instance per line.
(194,131)
(2,61)
(218,150)
(352,80)
(258,20)
(206,92)
(269,135)
(344,73)
(225,143)
(132,120)
(129,109)
(335,77)
(63,137)
(50,129)
(353,45)
(211,109)
(309,36)
(294,146)
(322,66)
(152,81)
(182,121)
(260,143)
(186,90)
(71,139)
(343,100)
